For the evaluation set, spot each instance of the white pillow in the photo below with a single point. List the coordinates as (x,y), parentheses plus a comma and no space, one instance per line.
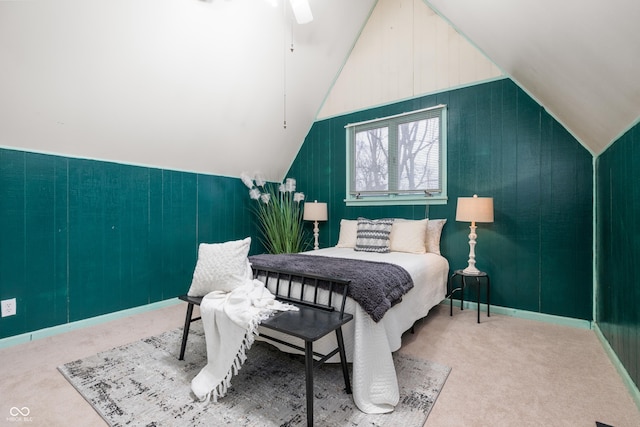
(348,233)
(408,236)
(221,267)
(434,231)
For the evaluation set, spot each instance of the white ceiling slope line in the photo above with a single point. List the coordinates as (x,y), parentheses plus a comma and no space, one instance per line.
(318,115)
(579,59)
(507,75)
(620,135)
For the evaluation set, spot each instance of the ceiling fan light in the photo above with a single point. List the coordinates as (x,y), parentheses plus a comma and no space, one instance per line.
(302,11)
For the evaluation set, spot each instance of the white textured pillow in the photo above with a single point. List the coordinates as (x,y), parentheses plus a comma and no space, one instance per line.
(221,267)
(373,235)
(434,231)
(348,233)
(408,236)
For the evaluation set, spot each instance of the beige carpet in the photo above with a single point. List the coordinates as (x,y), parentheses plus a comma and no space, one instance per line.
(505,372)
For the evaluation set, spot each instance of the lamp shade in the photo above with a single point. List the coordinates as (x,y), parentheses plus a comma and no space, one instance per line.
(315,211)
(475,209)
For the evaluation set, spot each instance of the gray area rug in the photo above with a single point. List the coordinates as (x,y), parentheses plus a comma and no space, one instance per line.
(144,384)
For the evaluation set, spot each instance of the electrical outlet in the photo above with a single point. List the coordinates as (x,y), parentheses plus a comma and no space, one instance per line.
(8,307)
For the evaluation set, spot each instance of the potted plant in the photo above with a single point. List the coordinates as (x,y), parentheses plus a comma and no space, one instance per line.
(278,209)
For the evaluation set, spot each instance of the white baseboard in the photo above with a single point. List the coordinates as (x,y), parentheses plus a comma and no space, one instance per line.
(59,329)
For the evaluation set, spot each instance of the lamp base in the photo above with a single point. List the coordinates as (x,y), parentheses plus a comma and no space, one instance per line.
(316,234)
(471,270)
(471,266)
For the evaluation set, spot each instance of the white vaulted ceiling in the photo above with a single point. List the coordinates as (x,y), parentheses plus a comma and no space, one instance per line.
(579,58)
(180,84)
(206,86)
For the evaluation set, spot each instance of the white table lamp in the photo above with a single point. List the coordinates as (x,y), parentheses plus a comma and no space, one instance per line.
(315,212)
(474,209)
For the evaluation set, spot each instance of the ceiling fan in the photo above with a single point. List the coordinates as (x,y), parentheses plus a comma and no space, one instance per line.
(301,10)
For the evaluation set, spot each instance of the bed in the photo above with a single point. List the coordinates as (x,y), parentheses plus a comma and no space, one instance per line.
(369,344)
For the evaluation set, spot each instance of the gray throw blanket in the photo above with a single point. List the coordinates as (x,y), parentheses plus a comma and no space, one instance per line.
(376,286)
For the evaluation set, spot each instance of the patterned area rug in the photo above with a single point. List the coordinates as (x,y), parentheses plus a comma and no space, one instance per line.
(144,384)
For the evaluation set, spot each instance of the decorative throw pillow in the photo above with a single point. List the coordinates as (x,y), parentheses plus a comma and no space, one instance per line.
(373,235)
(408,236)
(348,233)
(221,267)
(434,231)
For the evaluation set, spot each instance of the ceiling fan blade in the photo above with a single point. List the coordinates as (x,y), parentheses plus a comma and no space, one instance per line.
(302,11)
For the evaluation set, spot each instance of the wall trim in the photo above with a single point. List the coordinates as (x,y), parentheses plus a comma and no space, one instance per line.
(415,96)
(524,314)
(510,76)
(68,156)
(594,230)
(620,135)
(79,324)
(626,378)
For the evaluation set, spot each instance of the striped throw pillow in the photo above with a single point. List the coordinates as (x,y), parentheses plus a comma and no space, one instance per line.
(373,235)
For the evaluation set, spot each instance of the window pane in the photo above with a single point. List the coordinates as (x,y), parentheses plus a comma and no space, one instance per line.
(419,155)
(398,159)
(371,160)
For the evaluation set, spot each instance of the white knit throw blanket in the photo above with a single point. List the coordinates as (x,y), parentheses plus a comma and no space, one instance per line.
(230,321)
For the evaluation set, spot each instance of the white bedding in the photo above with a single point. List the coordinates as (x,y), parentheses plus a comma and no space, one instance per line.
(368,344)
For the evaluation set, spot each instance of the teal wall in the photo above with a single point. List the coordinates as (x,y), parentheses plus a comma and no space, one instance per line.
(502,144)
(81,238)
(618,249)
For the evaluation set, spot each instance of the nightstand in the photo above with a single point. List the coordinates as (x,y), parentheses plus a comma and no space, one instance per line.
(464,277)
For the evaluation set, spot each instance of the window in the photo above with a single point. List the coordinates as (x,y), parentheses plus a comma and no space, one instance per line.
(398,159)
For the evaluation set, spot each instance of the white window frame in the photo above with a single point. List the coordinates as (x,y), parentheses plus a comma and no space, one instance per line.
(440,198)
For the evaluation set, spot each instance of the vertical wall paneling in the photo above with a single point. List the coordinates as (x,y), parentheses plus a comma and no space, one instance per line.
(618,248)
(12,243)
(83,238)
(44,239)
(155,236)
(179,230)
(502,144)
(528,177)
(135,260)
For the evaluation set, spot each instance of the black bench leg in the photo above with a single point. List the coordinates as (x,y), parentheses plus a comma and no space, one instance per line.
(308,361)
(185,332)
(343,360)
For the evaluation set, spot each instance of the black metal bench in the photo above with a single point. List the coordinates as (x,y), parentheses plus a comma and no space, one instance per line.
(313,321)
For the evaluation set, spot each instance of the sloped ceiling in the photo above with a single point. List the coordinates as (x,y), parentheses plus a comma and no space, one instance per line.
(580,59)
(206,86)
(202,86)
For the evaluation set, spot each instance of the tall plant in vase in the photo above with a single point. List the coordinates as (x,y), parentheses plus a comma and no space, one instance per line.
(278,209)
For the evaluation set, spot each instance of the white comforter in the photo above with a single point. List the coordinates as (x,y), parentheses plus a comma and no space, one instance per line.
(368,344)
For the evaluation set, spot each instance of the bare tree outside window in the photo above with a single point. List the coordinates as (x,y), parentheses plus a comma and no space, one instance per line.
(418,154)
(372,160)
(399,158)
